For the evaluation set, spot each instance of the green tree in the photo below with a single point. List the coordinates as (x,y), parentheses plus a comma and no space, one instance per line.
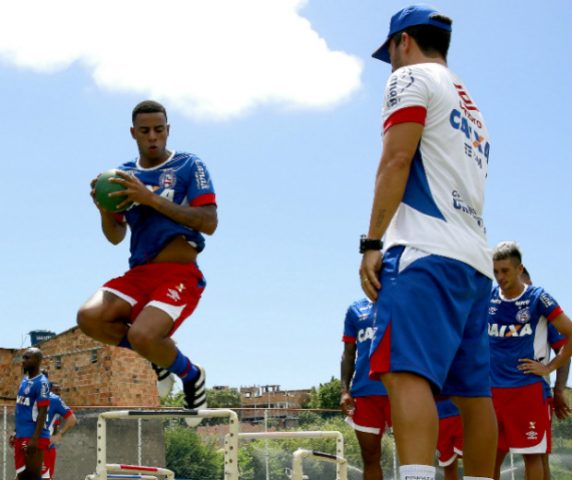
(224,397)
(189,457)
(326,396)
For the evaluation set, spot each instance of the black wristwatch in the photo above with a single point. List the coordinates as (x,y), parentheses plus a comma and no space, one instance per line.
(369,244)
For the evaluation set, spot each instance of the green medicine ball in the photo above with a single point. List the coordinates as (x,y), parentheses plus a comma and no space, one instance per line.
(103,187)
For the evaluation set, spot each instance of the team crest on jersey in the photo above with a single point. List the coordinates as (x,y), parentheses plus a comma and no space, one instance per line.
(168,179)
(523,316)
(27,389)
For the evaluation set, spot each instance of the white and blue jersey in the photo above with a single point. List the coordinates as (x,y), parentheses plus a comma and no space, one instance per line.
(358,329)
(57,410)
(33,393)
(518,328)
(183,179)
(441,212)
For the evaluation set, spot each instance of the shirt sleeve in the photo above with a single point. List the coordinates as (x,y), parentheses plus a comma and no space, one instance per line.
(407,96)
(350,332)
(555,338)
(43,393)
(201,190)
(548,306)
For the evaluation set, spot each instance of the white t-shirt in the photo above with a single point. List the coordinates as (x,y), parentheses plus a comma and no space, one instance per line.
(442,208)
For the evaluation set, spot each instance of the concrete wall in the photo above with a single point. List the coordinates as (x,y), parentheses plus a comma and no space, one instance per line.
(76,456)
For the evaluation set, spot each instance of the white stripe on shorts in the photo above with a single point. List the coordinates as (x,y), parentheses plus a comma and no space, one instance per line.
(131,301)
(171,310)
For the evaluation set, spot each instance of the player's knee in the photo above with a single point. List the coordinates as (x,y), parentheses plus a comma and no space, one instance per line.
(142,341)
(86,319)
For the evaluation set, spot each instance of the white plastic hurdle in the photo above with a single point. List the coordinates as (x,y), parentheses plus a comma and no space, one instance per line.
(102,468)
(341,472)
(301,454)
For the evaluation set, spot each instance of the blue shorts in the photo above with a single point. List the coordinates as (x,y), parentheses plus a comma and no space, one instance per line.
(431,319)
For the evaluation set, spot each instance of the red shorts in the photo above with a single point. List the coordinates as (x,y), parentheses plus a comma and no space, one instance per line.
(174,288)
(20,454)
(450,443)
(523,416)
(372,414)
(50,460)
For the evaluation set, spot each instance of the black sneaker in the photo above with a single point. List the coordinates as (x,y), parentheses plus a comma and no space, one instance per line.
(165,380)
(195,391)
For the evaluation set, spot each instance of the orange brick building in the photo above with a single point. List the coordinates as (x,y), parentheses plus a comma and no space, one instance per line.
(89,373)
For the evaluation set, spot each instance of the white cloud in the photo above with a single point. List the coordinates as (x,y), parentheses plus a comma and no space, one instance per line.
(207,58)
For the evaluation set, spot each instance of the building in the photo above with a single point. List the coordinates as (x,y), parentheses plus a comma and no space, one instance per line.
(89,373)
(278,405)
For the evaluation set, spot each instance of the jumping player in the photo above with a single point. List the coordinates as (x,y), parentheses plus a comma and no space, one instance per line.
(173,204)
(32,437)
(518,323)
(363,401)
(432,284)
(450,441)
(57,413)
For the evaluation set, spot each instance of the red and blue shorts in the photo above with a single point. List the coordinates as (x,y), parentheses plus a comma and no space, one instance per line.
(50,460)
(430,318)
(20,445)
(450,442)
(372,414)
(174,288)
(523,416)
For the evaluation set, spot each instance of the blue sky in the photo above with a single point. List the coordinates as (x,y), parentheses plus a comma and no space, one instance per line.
(288,121)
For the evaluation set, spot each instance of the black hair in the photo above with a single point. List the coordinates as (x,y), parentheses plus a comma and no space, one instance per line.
(148,106)
(432,40)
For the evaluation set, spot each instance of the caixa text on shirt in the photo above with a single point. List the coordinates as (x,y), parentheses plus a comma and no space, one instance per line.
(21,400)
(522,330)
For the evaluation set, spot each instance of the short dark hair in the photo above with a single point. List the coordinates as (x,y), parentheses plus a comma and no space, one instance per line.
(507,250)
(148,106)
(431,40)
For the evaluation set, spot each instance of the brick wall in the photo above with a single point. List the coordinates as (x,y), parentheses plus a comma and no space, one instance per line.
(90,373)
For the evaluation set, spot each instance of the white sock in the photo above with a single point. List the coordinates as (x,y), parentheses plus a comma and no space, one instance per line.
(416,472)
(476,478)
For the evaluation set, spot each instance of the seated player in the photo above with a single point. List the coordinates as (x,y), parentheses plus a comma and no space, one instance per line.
(364,401)
(450,442)
(517,325)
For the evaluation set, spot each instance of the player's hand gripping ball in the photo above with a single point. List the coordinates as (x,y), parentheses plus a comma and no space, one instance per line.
(103,187)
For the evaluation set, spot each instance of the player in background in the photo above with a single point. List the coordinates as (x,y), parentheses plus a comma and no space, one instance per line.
(57,413)
(433,281)
(518,320)
(450,441)
(363,401)
(173,204)
(556,396)
(32,437)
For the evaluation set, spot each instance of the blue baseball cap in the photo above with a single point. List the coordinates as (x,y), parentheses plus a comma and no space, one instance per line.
(405,18)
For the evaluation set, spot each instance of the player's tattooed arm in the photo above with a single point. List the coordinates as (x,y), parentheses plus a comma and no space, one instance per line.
(399,145)
(203,219)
